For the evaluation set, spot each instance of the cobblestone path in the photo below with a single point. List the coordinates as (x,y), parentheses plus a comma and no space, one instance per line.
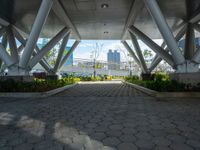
(102,89)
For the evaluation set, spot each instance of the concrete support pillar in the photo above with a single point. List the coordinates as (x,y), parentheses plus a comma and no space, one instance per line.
(60,53)
(69,53)
(35,32)
(48,47)
(164,29)
(131,52)
(139,53)
(189,42)
(156,48)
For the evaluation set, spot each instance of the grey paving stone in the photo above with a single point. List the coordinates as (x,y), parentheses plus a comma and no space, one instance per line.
(98,135)
(24,146)
(111,141)
(181,147)
(116,127)
(145,144)
(161,141)
(84,118)
(127,138)
(114,133)
(127,146)
(162,148)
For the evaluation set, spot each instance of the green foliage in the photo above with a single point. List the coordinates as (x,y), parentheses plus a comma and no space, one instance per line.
(38,85)
(162,83)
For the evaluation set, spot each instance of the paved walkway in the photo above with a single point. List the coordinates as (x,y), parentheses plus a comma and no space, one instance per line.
(77,121)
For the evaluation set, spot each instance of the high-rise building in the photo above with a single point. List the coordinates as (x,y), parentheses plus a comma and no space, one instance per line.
(113,59)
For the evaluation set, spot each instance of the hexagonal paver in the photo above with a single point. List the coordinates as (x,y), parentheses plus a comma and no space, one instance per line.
(144,144)
(127,138)
(181,147)
(111,141)
(127,146)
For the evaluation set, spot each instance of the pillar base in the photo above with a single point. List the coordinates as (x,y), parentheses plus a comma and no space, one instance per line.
(187,78)
(146,76)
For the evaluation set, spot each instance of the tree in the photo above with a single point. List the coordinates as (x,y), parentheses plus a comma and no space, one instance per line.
(97,48)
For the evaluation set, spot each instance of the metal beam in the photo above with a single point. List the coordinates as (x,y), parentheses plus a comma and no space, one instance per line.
(48,47)
(189,42)
(35,32)
(158,59)
(60,53)
(69,53)
(195,17)
(5,57)
(43,63)
(135,9)
(156,48)
(139,53)
(196,57)
(3,22)
(165,31)
(197,27)
(62,15)
(131,52)
(2,31)
(12,44)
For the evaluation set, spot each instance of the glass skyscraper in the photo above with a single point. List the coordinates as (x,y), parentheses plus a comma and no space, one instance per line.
(113,59)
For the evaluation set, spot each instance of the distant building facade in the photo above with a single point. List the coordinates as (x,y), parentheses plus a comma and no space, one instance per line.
(181,43)
(113,58)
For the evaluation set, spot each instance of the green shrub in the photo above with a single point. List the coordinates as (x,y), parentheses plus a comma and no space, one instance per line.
(38,85)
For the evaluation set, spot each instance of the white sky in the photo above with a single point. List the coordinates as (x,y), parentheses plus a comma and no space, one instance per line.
(85,48)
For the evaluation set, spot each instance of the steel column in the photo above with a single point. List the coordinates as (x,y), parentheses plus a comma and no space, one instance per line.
(157,15)
(156,48)
(5,56)
(131,52)
(60,53)
(189,42)
(69,53)
(43,63)
(158,59)
(35,32)
(197,27)
(2,31)
(12,45)
(48,47)
(139,53)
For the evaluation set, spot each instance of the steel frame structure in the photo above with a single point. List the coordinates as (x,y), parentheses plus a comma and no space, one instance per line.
(20,60)
(186,62)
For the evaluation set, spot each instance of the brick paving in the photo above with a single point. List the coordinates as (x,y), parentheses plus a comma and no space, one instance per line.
(105,116)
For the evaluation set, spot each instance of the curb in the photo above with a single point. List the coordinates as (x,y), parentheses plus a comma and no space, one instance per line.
(157,94)
(36,94)
(142,89)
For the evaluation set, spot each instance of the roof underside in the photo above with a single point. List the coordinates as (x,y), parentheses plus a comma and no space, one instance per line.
(94,22)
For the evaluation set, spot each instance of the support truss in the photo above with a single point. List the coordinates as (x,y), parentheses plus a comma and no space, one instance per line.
(164,29)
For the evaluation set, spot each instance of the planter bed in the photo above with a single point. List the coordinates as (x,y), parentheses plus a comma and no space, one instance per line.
(36,94)
(164,94)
